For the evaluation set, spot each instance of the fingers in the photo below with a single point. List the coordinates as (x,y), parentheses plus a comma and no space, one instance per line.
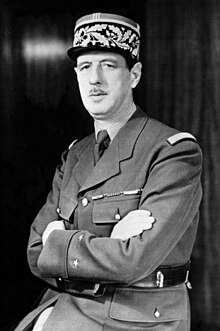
(147,226)
(151,219)
(133,224)
(138,216)
(55,225)
(140,212)
(143,225)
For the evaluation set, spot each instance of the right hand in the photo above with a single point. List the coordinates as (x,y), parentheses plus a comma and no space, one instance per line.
(133,224)
(55,225)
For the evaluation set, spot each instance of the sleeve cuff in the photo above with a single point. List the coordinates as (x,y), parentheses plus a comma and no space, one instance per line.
(52,261)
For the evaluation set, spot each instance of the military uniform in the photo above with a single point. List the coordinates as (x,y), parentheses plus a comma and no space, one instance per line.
(99,283)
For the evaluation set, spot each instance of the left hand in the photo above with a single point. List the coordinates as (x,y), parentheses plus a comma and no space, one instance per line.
(55,225)
(133,224)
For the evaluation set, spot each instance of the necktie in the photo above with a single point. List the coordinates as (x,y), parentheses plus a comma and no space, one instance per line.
(102,143)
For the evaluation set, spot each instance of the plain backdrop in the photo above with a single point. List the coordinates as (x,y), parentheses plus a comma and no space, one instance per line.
(42,113)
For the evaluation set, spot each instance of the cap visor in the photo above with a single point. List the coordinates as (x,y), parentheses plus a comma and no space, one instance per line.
(74,52)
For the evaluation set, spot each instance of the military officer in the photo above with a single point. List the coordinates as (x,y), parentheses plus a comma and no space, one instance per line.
(114,238)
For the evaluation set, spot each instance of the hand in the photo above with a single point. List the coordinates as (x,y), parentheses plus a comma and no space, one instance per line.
(55,225)
(133,224)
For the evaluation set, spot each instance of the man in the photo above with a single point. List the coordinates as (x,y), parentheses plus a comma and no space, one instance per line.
(114,239)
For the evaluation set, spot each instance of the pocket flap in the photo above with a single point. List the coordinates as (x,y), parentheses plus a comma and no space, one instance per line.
(112,209)
(151,305)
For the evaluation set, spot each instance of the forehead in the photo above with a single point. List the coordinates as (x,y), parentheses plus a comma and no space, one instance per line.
(100,56)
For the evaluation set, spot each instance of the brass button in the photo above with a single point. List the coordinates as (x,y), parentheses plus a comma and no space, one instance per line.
(117,217)
(85,202)
(156,313)
(75,263)
(81,237)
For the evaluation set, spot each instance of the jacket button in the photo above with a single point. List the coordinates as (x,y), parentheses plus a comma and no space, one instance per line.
(81,237)
(117,217)
(75,263)
(156,313)
(58,210)
(84,202)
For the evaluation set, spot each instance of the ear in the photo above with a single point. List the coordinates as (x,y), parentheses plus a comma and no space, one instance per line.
(136,74)
(76,72)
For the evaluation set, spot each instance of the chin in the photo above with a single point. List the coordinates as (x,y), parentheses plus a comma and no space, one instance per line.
(97,112)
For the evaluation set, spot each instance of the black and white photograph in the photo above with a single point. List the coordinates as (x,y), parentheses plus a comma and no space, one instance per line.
(110,165)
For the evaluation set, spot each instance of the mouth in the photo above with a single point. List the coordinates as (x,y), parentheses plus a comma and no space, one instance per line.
(97,93)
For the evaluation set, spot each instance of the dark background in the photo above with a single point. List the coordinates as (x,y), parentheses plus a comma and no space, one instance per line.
(41,114)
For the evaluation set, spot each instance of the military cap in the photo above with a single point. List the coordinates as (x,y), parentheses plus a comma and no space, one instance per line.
(106,32)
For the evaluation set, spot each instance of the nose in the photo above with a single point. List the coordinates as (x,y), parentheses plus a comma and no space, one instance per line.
(95,76)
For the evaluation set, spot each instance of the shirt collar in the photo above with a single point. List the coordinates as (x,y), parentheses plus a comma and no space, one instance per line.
(113,127)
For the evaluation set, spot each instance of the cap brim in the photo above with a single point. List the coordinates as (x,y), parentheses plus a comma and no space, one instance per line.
(74,52)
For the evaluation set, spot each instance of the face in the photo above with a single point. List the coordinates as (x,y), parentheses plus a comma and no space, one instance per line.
(106,83)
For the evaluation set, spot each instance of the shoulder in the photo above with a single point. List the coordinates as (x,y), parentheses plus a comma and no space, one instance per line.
(72,143)
(79,144)
(161,141)
(179,137)
(76,146)
(166,134)
(70,156)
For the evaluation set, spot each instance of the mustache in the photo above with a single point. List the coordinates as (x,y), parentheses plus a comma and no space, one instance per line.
(96,91)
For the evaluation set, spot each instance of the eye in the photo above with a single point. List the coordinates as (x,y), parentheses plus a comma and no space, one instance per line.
(109,65)
(84,67)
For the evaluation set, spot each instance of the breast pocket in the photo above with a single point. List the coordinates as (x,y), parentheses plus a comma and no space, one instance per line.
(111,210)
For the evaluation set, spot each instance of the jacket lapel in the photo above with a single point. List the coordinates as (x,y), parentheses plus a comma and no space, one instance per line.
(85,163)
(108,166)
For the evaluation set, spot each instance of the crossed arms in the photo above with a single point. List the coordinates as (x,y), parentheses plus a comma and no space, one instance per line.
(133,224)
(172,193)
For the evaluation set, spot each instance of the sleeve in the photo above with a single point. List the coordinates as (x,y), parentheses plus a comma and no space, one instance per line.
(47,214)
(172,193)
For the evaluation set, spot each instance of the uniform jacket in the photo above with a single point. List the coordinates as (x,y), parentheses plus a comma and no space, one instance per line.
(146,155)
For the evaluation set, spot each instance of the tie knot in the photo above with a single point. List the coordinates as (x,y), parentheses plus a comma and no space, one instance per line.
(102,136)
(103,141)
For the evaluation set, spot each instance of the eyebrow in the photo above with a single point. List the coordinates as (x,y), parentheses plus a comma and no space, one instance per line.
(107,59)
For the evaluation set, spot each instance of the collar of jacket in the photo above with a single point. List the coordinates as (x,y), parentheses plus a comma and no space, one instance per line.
(108,166)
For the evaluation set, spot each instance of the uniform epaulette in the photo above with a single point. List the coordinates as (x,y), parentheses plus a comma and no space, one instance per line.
(73,143)
(179,137)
